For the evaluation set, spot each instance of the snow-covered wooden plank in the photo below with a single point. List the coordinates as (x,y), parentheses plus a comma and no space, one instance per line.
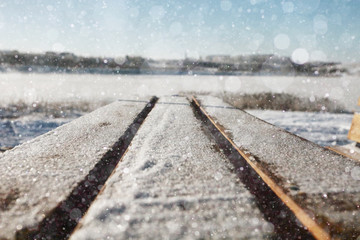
(173,184)
(37,176)
(354,133)
(321,187)
(350,151)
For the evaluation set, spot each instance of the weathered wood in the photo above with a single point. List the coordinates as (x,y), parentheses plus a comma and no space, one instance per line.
(354,133)
(173,183)
(350,151)
(37,176)
(321,187)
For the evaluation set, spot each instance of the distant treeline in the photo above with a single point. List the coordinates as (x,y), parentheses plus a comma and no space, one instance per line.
(222,65)
(51,61)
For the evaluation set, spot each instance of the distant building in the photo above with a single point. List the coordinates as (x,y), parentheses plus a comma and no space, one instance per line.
(219,58)
(50,54)
(68,56)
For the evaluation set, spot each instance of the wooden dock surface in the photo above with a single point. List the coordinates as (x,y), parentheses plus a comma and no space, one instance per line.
(176,168)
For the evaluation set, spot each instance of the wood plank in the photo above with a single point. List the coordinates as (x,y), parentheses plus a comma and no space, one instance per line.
(354,133)
(350,151)
(319,186)
(173,183)
(37,176)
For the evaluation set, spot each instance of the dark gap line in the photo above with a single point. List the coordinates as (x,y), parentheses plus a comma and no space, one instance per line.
(61,221)
(274,210)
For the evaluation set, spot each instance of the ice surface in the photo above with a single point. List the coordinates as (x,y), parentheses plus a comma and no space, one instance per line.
(39,174)
(173,184)
(16,131)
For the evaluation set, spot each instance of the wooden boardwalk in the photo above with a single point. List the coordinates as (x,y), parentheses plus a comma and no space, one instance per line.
(176,168)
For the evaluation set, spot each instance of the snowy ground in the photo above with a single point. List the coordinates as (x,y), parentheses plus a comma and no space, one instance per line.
(324,129)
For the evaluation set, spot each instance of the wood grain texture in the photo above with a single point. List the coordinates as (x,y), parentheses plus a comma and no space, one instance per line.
(354,133)
(37,176)
(318,185)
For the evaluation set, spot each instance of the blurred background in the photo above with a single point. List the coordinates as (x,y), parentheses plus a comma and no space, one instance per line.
(292,63)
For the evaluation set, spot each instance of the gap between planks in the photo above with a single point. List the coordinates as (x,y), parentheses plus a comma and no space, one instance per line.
(303,217)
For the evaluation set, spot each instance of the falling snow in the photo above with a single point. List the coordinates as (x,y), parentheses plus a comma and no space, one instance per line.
(154,187)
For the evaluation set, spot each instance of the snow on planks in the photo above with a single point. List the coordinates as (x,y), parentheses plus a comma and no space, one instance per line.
(37,177)
(349,151)
(173,183)
(319,186)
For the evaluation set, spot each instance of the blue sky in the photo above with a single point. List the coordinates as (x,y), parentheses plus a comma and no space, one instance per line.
(304,29)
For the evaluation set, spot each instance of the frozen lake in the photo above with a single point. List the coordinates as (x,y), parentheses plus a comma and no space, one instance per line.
(91,87)
(324,129)
(16,131)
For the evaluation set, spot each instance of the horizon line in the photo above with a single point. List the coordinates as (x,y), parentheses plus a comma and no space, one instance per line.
(159,59)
